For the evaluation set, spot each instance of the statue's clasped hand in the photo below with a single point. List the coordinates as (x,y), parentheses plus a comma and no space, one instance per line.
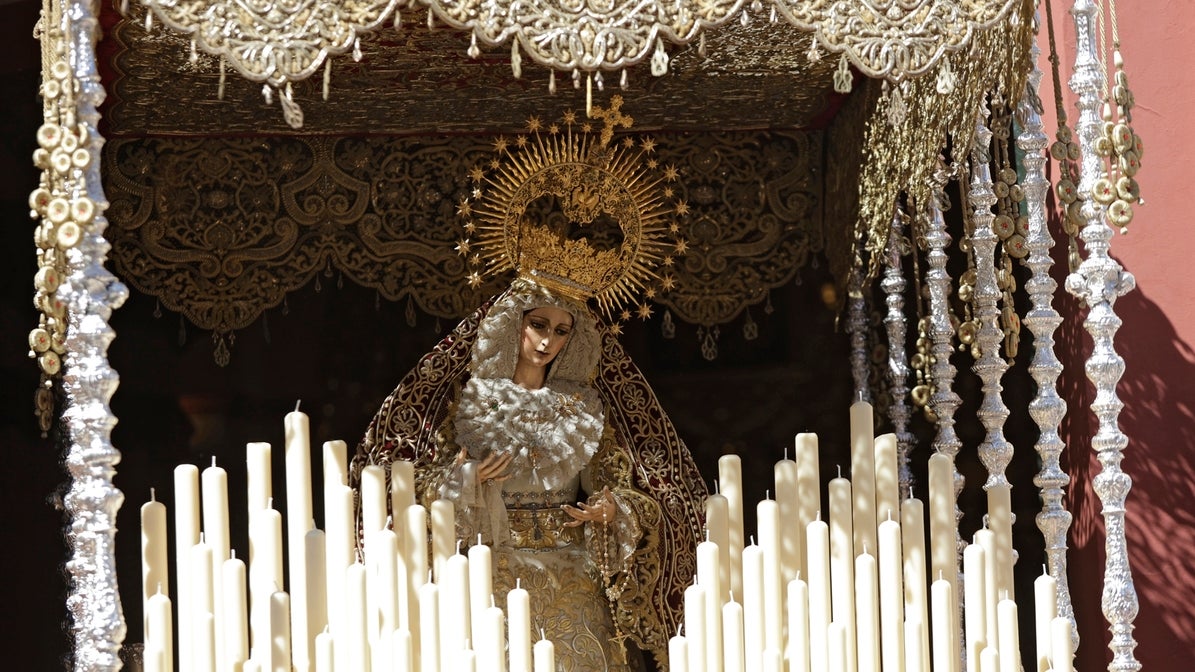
(494,467)
(600,512)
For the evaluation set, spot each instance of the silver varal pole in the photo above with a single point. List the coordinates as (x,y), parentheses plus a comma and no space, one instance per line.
(1098,282)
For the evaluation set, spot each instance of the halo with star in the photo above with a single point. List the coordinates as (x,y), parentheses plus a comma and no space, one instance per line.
(593,185)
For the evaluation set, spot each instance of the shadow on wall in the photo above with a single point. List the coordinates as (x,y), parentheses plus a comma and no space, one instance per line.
(1158,391)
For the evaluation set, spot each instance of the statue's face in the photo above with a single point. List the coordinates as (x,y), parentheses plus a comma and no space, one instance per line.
(545,332)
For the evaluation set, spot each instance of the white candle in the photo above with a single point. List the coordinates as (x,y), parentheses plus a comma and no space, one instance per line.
(863,475)
(817,541)
(155,567)
(468,661)
(942,530)
(696,598)
(545,655)
(798,626)
(154,658)
(186,535)
(214,484)
(202,600)
(159,632)
(414,558)
(265,577)
(1010,645)
(943,533)
(912,537)
(709,576)
(842,564)
(1000,522)
(754,639)
(986,539)
(492,648)
(325,652)
(298,521)
(335,460)
(943,627)
(767,516)
(1045,610)
(385,545)
(481,583)
(403,652)
(914,661)
(837,647)
(733,653)
(443,521)
(809,498)
(975,575)
(373,499)
(989,660)
(455,624)
(678,653)
(772,660)
(1062,647)
(429,631)
(791,533)
(339,550)
(402,485)
(352,645)
(730,486)
(887,481)
(717,525)
(315,547)
(205,642)
(892,597)
(867,606)
(280,641)
(518,614)
(258,479)
(235,615)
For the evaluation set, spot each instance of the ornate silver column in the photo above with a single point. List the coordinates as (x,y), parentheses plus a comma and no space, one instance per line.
(1047,407)
(944,401)
(896,325)
(90,294)
(995,451)
(1099,281)
(856,326)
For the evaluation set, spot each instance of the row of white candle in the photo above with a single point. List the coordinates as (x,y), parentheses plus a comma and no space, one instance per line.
(878,606)
(341,610)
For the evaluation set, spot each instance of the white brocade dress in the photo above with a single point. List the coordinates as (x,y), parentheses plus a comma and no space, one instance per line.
(555,433)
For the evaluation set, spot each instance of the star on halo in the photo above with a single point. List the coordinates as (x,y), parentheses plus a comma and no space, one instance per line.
(671,173)
(644,311)
(476,173)
(570,117)
(534,124)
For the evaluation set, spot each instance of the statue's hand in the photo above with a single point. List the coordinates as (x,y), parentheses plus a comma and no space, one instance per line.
(494,467)
(601,512)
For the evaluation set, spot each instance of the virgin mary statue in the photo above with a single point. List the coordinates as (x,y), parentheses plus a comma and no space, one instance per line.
(531,418)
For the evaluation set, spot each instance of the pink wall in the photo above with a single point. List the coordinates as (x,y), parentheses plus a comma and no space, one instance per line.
(1157,342)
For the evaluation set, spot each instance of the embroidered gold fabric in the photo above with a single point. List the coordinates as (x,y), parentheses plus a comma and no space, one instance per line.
(221,229)
(542,528)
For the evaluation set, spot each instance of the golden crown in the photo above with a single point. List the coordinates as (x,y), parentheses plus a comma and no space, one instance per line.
(575,212)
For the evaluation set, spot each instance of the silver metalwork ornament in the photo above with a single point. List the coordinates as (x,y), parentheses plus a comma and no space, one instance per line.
(995,451)
(856,327)
(274,43)
(91,293)
(587,36)
(894,40)
(1099,281)
(1047,408)
(896,325)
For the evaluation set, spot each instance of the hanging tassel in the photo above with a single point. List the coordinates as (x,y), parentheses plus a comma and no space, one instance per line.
(397,19)
(516,59)
(576,79)
(357,50)
(659,60)
(473,51)
(220,88)
(431,20)
(149,22)
(194,57)
(268,93)
(589,95)
(622,80)
(842,76)
(552,81)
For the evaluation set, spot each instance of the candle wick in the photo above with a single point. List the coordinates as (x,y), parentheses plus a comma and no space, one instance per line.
(153,497)
(159,588)
(232,554)
(818,515)
(213,460)
(298,402)
(518,583)
(890,514)
(716,487)
(479,539)
(679,628)
(752,538)
(767,494)
(798,577)
(707,532)
(840,471)
(458,545)
(786,452)
(201,537)
(1044,571)
(541,634)
(493,604)
(865,548)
